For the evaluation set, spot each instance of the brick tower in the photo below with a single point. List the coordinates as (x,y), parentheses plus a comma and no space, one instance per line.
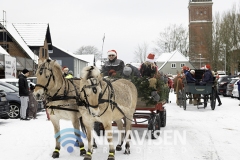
(200,32)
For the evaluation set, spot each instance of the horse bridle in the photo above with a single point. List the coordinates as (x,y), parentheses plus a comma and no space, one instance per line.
(43,68)
(93,85)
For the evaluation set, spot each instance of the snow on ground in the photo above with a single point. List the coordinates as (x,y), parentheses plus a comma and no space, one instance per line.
(194,134)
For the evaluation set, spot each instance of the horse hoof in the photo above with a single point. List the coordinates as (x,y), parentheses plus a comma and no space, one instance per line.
(118,148)
(82,152)
(87,157)
(55,154)
(111,158)
(127,152)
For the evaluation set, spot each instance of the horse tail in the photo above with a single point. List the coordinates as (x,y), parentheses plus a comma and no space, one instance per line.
(179,84)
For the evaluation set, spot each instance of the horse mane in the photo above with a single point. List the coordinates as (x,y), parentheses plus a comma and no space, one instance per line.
(90,72)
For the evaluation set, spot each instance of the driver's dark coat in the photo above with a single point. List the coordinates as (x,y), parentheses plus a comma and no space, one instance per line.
(115,64)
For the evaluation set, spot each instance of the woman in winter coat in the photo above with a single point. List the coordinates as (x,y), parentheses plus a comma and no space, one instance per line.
(32,104)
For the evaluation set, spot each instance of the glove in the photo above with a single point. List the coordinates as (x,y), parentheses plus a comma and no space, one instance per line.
(112,72)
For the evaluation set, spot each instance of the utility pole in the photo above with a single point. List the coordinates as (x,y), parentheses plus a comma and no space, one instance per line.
(102,49)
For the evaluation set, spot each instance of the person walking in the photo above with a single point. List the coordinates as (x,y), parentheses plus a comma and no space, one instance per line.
(215,88)
(114,66)
(238,83)
(23,93)
(33,104)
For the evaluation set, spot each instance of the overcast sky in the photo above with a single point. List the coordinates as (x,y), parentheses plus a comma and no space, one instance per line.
(126,23)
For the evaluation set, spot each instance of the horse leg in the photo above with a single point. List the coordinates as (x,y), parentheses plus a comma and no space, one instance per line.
(120,132)
(56,126)
(108,128)
(76,125)
(128,128)
(89,128)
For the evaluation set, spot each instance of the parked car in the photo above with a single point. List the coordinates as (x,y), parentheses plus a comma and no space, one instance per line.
(222,84)
(14,81)
(235,90)
(33,79)
(221,73)
(4,105)
(230,86)
(14,99)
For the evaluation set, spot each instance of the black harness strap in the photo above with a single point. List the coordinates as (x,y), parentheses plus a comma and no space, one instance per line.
(61,108)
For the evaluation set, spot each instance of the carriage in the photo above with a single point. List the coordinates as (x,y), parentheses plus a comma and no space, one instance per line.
(202,91)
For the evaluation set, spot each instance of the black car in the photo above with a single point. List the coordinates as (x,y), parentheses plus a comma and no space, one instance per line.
(14,99)
(4,105)
(222,84)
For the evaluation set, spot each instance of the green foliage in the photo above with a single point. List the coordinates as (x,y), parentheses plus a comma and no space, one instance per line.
(144,91)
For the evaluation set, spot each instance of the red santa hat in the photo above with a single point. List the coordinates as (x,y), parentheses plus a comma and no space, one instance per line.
(207,66)
(150,57)
(112,52)
(65,68)
(185,68)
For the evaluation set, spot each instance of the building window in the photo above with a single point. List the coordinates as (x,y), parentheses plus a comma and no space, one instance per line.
(182,64)
(173,65)
(59,62)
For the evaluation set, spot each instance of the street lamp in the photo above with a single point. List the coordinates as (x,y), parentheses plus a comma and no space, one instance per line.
(225,57)
(200,59)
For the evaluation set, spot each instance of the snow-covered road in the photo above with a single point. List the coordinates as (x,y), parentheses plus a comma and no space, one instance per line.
(201,134)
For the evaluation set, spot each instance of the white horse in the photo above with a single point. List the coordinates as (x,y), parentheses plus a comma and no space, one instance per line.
(107,101)
(63,99)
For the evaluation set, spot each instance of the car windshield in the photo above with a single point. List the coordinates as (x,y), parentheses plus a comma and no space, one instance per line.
(233,81)
(6,89)
(12,87)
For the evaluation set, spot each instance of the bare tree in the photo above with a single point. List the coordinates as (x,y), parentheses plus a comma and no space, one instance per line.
(89,50)
(141,53)
(173,37)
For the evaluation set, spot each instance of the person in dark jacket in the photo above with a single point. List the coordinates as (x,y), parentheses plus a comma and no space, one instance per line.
(188,75)
(207,77)
(130,70)
(23,93)
(33,104)
(149,67)
(114,66)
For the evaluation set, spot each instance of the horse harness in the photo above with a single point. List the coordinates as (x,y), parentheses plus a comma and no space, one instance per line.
(111,96)
(56,96)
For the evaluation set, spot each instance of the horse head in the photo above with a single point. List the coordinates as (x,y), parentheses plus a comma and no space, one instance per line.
(91,89)
(49,76)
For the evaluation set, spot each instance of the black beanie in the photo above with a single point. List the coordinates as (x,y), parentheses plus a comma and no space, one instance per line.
(25,71)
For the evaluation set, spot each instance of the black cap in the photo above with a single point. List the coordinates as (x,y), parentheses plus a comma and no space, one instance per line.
(25,71)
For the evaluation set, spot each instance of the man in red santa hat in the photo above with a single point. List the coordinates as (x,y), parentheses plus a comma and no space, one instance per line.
(207,77)
(113,66)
